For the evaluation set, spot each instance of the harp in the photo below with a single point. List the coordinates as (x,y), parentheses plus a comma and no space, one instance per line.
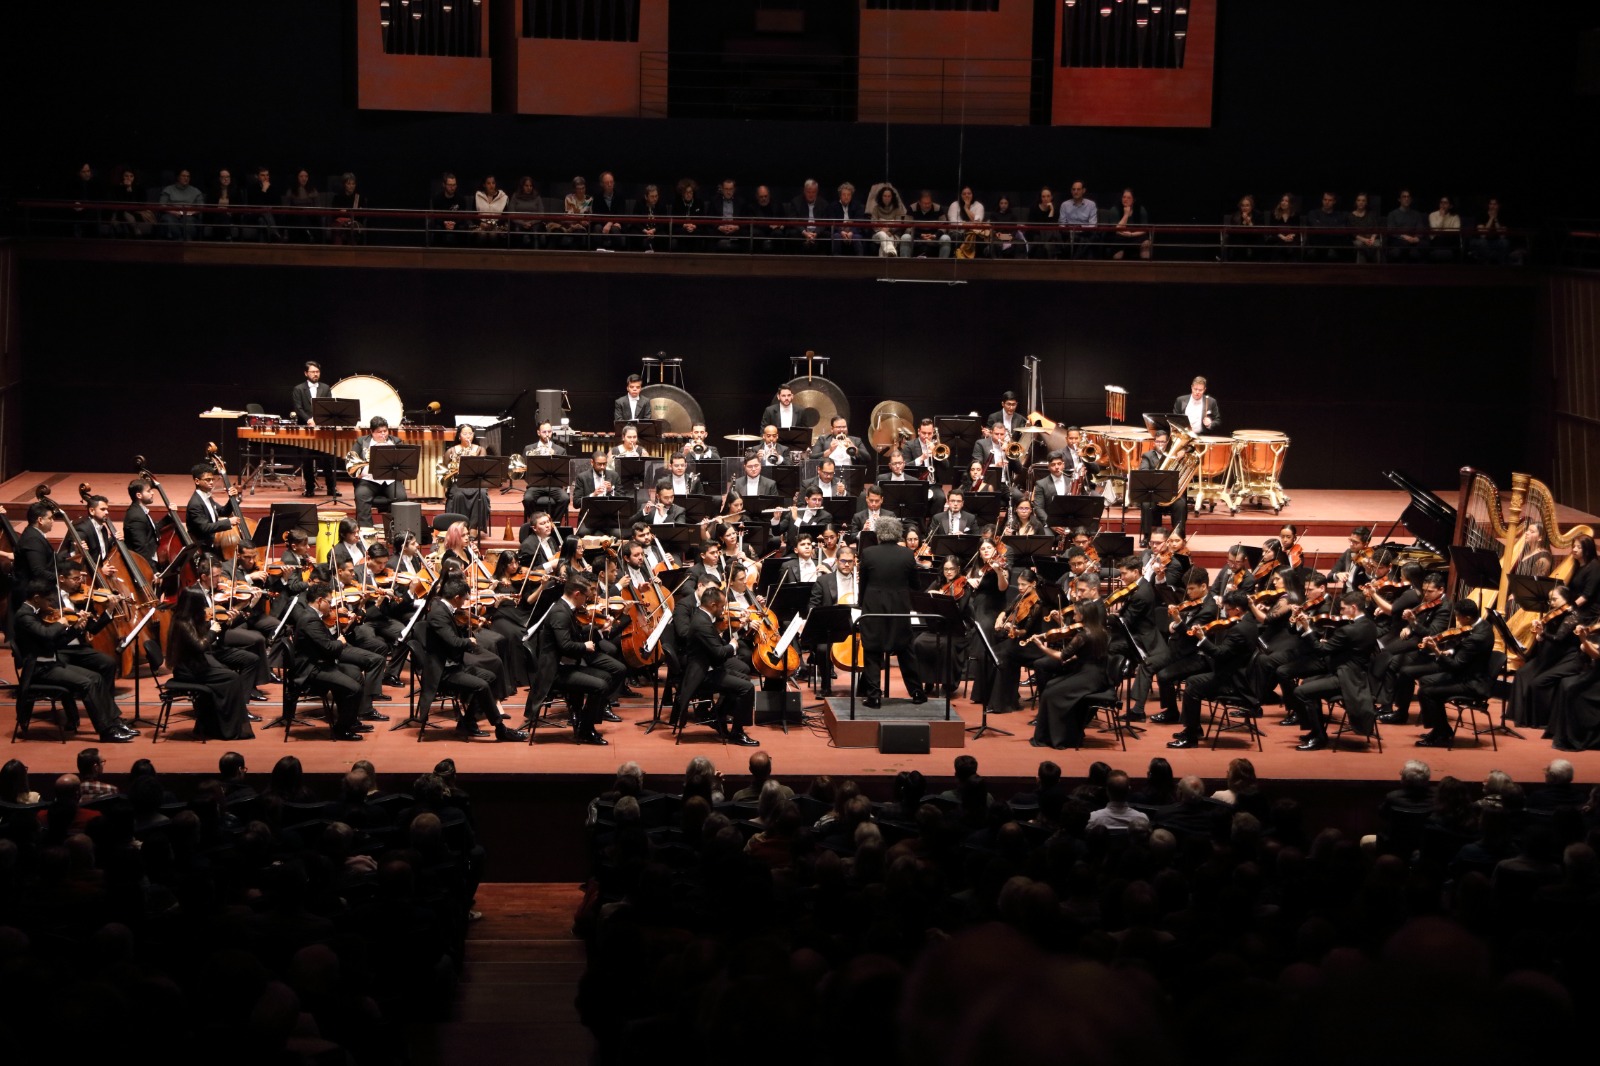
(1492,520)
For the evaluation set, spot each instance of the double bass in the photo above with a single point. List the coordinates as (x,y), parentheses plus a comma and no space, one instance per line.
(133,582)
(173,535)
(766,633)
(235,541)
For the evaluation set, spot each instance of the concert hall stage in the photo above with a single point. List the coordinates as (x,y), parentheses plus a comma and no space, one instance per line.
(806,749)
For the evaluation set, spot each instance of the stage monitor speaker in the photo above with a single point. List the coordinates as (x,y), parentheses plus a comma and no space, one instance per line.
(405,516)
(904,738)
(774,707)
(549,402)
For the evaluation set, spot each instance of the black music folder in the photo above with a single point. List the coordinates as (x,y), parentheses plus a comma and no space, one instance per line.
(335,411)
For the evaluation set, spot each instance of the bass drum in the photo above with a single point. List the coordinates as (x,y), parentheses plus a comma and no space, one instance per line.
(377,397)
(674,406)
(819,401)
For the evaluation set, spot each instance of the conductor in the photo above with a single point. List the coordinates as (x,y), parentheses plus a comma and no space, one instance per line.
(888,574)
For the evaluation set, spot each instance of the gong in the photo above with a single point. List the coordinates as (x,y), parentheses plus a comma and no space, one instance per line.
(819,401)
(674,406)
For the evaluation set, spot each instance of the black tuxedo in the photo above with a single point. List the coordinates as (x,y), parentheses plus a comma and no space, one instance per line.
(1348,652)
(445,668)
(36,557)
(946,524)
(588,678)
(815,483)
(1463,672)
(552,501)
(583,486)
(675,516)
(769,417)
(709,664)
(202,527)
(765,487)
(888,574)
(141,532)
(43,655)
(91,537)
(825,444)
(300,403)
(1142,614)
(691,481)
(627,409)
(1212,411)
(791,573)
(1230,650)
(300,399)
(353,675)
(983,452)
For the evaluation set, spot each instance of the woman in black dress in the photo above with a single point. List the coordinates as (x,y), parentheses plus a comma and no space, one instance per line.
(1070,674)
(1585,580)
(472,504)
(1554,657)
(1575,713)
(225,713)
(929,648)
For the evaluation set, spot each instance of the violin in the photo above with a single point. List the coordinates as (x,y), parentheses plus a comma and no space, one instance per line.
(1175,609)
(1121,594)
(1049,636)
(956,587)
(1449,636)
(1019,611)
(1264,571)
(1236,580)
(1266,597)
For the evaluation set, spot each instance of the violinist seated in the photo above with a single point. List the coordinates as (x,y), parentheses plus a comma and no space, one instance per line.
(599,479)
(239,607)
(1150,513)
(661,511)
(1069,673)
(1013,650)
(568,659)
(1295,656)
(1141,619)
(1226,647)
(1178,656)
(448,641)
(358,597)
(1077,567)
(1462,671)
(738,604)
(1389,596)
(1236,575)
(1348,568)
(1346,654)
(350,548)
(388,601)
(710,663)
(516,591)
(930,649)
(56,650)
(325,662)
(1272,605)
(76,596)
(286,576)
(189,645)
(203,517)
(1173,561)
(1401,662)
(553,499)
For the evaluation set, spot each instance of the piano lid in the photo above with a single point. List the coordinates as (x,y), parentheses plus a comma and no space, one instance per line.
(1427,517)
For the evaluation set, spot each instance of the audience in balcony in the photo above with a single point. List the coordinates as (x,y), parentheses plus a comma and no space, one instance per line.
(304,194)
(926,240)
(1044,240)
(490,204)
(885,207)
(610,235)
(449,201)
(525,201)
(1284,237)
(1368,238)
(1132,228)
(846,236)
(1444,232)
(179,220)
(1322,245)
(1407,237)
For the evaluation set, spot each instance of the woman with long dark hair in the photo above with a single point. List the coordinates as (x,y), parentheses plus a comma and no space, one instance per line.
(224,713)
(1075,671)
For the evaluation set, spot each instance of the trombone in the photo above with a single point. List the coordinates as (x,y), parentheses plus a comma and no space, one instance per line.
(941,450)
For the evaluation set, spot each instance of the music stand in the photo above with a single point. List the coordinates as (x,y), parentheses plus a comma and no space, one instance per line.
(1147,488)
(1530,593)
(335,411)
(1111,547)
(842,509)
(481,471)
(960,432)
(630,470)
(1479,568)
(795,438)
(650,429)
(679,540)
(1019,546)
(393,462)
(983,725)
(962,545)
(696,507)
(286,516)
(1162,419)
(771,573)
(907,499)
(826,626)
(547,471)
(132,640)
(985,507)
(710,471)
(792,599)
(942,616)
(758,509)
(609,509)
(1071,512)
(786,477)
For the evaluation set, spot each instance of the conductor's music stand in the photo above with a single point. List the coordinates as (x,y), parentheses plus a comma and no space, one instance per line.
(335,411)
(983,725)
(942,616)
(907,499)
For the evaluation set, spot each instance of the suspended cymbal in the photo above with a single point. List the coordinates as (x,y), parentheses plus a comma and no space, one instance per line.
(890,421)
(743,438)
(674,406)
(1029,429)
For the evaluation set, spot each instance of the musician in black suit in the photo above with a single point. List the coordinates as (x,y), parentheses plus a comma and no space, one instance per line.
(552,499)
(872,516)
(782,412)
(447,669)
(1139,616)
(888,574)
(1463,672)
(710,663)
(1178,655)
(370,493)
(1150,514)
(750,483)
(140,530)
(698,446)
(568,658)
(839,445)
(661,511)
(323,658)
(840,586)
(991,452)
(44,645)
(828,483)
(36,556)
(952,521)
(1200,407)
(802,568)
(684,482)
(597,480)
(300,400)
(632,405)
(204,519)
(1347,651)
(541,542)
(1228,649)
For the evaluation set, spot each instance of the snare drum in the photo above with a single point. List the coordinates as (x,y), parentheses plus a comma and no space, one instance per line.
(377,397)
(1215,453)
(328,532)
(1261,452)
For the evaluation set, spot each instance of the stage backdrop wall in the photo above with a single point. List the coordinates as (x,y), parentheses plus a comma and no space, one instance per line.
(1362,379)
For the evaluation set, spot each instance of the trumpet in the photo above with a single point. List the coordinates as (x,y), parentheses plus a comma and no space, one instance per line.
(698,448)
(849,448)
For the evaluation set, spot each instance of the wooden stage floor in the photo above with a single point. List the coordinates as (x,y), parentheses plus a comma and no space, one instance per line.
(807,750)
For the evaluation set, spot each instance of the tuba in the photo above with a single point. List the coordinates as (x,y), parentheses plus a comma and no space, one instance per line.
(1181,457)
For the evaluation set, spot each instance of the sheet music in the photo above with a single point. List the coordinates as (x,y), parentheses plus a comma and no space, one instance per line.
(655,634)
(795,625)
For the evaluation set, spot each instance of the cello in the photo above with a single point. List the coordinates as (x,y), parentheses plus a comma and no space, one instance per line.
(766,633)
(230,542)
